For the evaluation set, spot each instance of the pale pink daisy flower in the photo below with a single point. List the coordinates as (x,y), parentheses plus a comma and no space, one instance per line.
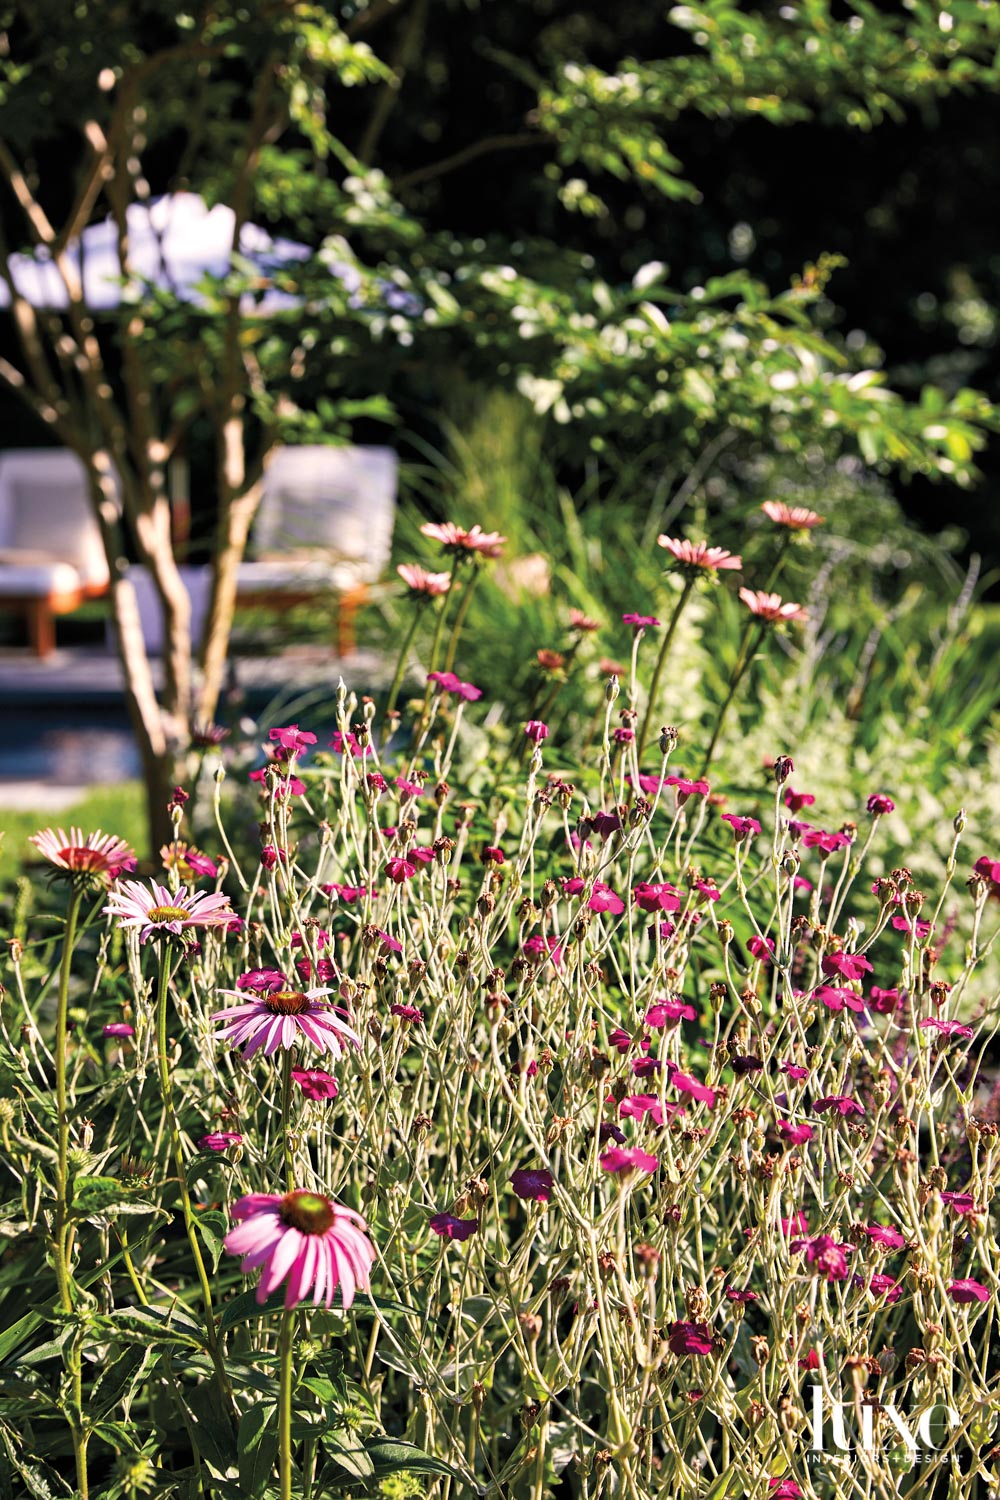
(795,517)
(154,909)
(457,539)
(277,1019)
(99,853)
(422,583)
(305,1240)
(699,557)
(771,606)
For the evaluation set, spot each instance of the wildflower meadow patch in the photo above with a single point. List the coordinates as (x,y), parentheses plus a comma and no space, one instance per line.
(540,1121)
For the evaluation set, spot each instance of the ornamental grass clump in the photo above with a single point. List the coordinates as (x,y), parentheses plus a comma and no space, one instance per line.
(518,1119)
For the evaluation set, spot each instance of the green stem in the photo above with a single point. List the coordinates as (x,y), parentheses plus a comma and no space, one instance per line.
(285,1402)
(177,1153)
(743,660)
(60,1246)
(436,644)
(286,1118)
(459,621)
(654,686)
(401,663)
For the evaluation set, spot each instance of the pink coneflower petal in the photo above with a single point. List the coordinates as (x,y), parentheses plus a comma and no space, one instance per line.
(279,1018)
(305,1240)
(699,557)
(771,607)
(96,854)
(795,517)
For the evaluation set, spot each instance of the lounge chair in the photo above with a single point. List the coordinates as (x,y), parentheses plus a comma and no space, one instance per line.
(324,529)
(51,555)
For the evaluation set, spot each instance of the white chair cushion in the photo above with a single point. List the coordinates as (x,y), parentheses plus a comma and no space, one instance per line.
(291,574)
(35,580)
(45,508)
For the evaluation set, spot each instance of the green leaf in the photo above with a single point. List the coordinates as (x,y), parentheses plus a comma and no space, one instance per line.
(213,1228)
(152,1326)
(392,1456)
(243,1308)
(350,1455)
(210,1428)
(257,1447)
(118,1381)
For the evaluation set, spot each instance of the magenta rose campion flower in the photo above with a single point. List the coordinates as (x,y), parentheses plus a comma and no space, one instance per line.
(620,1159)
(689,1085)
(847,965)
(968,1290)
(305,1240)
(666,1012)
(659,896)
(447,682)
(219,1140)
(532,1183)
(841,1104)
(825,1254)
(639,622)
(946,1028)
(887,1235)
(743,828)
(450,1228)
(292,739)
(797,1134)
(690,1338)
(315,1083)
(536,731)
(118,1028)
(603,899)
(885,1286)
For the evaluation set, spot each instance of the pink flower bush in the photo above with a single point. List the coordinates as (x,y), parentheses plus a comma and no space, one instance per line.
(305,1240)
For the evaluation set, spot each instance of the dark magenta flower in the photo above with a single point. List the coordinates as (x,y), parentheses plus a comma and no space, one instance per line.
(536,731)
(450,1228)
(293,739)
(623,1040)
(787,1489)
(637,1106)
(639,622)
(961,1203)
(743,828)
(348,743)
(885,1234)
(735,1295)
(665,1012)
(532,1183)
(118,1028)
(219,1140)
(828,843)
(645,1067)
(840,1103)
(761,947)
(661,896)
(967,1290)
(946,1028)
(606,823)
(408,788)
(262,981)
(280,780)
(847,965)
(689,1085)
(315,1083)
(796,801)
(447,682)
(603,898)
(885,1286)
(620,1159)
(793,1071)
(835,999)
(539,948)
(409,1013)
(690,1338)
(609,1131)
(707,890)
(879,804)
(797,1134)
(823,1252)
(884,1001)
(400,870)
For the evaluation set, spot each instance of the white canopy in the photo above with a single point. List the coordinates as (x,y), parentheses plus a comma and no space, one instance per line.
(174,242)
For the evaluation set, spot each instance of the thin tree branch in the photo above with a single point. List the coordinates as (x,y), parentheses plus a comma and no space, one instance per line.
(403,57)
(488,144)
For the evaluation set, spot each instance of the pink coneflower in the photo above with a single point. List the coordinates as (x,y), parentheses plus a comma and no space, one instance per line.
(450,1228)
(579,621)
(532,1183)
(795,517)
(279,1018)
(304,1239)
(771,607)
(219,1140)
(98,854)
(536,731)
(968,1290)
(315,1083)
(458,540)
(187,861)
(421,583)
(620,1159)
(698,558)
(154,909)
